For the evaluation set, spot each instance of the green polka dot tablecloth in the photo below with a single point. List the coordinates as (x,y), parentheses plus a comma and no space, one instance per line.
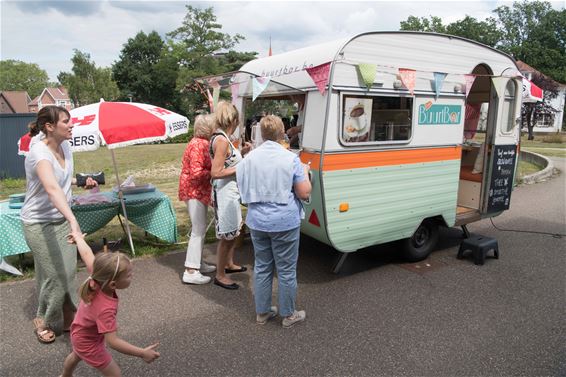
(151,211)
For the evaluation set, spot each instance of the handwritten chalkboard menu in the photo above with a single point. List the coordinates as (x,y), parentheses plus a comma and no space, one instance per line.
(501,183)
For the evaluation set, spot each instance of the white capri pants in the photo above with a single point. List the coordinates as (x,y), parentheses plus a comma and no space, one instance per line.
(197,214)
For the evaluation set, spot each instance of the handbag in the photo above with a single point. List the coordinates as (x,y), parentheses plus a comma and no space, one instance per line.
(82,177)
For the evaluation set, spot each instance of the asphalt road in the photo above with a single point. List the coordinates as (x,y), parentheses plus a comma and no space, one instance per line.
(379,316)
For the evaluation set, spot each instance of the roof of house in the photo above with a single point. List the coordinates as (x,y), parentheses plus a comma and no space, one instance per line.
(17,100)
(35,101)
(524,67)
(59,93)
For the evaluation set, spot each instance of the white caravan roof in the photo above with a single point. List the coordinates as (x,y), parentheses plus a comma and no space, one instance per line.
(424,52)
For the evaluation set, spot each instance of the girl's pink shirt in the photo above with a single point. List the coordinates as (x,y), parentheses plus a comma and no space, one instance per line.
(94,320)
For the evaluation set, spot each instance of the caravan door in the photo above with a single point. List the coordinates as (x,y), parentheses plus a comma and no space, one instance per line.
(502,141)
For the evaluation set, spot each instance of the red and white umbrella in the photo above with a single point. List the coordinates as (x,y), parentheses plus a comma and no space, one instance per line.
(531,92)
(118,124)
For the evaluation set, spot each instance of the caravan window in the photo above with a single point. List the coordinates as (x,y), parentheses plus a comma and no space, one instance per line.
(371,119)
(509,107)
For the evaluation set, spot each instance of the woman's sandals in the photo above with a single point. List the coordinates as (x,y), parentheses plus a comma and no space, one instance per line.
(44,334)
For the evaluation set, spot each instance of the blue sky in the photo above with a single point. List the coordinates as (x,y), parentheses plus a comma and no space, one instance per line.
(46,32)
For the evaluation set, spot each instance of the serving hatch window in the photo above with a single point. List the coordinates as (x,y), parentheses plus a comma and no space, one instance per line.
(376,119)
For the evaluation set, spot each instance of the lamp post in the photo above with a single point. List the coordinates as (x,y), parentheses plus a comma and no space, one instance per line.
(130,95)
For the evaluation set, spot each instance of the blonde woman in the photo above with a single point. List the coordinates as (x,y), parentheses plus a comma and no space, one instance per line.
(226,198)
(195,190)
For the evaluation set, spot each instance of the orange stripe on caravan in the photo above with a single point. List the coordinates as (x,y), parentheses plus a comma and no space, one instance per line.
(344,161)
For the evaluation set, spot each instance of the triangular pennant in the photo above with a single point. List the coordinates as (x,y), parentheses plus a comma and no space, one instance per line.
(215,95)
(235,88)
(408,77)
(438,80)
(469,82)
(210,100)
(259,85)
(368,72)
(319,75)
(499,85)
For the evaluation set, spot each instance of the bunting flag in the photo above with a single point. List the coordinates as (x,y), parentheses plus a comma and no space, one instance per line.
(438,80)
(471,120)
(319,75)
(368,72)
(259,85)
(215,95)
(408,77)
(499,85)
(210,100)
(469,82)
(235,88)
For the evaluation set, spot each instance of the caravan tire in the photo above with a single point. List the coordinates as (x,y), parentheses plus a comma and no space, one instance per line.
(423,241)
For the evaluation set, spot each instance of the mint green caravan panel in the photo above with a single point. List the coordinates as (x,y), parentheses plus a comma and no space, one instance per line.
(315,204)
(387,203)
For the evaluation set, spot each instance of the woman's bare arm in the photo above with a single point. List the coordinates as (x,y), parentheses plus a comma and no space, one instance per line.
(56,195)
(220,148)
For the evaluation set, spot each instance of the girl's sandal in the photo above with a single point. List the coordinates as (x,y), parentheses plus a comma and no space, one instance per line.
(43,333)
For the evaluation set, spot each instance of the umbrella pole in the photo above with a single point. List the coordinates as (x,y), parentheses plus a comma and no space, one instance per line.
(121,196)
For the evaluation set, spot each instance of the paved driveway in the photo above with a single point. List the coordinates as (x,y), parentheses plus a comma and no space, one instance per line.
(443,317)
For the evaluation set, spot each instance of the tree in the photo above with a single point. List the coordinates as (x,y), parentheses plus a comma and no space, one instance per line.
(485,32)
(434,24)
(536,34)
(202,50)
(88,83)
(199,37)
(147,71)
(18,75)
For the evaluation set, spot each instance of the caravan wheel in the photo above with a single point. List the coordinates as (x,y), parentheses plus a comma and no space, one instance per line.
(423,241)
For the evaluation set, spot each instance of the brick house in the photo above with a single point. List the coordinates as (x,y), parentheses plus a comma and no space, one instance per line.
(14,102)
(33,105)
(54,96)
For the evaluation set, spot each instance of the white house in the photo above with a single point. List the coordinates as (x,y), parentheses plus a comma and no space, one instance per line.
(551,122)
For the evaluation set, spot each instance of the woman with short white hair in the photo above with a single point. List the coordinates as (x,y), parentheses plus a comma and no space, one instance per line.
(272,181)
(195,191)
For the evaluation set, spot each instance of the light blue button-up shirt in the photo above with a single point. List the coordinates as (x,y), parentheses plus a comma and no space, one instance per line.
(268,216)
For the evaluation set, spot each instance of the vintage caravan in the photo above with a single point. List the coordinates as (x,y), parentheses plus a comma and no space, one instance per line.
(395,157)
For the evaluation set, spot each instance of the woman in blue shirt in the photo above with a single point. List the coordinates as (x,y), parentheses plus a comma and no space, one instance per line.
(272,181)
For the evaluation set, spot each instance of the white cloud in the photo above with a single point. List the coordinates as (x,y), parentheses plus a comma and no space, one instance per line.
(47,32)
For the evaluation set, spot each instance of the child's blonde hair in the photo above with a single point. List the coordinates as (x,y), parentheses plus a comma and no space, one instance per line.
(204,126)
(107,267)
(226,115)
(272,128)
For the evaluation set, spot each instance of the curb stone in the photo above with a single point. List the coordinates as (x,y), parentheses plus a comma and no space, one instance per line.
(539,160)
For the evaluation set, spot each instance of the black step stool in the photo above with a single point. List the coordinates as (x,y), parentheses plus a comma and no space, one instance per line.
(479,245)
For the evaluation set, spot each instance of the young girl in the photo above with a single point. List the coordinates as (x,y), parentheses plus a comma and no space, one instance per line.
(95,321)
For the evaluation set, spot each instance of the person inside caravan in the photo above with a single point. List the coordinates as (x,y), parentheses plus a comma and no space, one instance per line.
(273,192)
(294,133)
